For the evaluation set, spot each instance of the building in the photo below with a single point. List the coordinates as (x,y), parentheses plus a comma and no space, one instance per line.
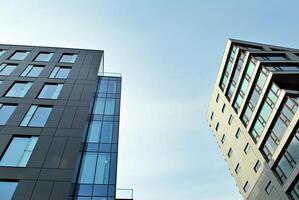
(253,113)
(59,124)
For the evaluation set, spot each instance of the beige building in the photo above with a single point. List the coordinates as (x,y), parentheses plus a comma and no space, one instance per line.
(253,113)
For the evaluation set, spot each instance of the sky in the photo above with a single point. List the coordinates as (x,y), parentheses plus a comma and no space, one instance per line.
(169,53)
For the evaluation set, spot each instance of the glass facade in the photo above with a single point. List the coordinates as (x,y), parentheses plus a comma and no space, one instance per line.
(258,86)
(244,84)
(265,112)
(289,159)
(228,67)
(97,174)
(281,124)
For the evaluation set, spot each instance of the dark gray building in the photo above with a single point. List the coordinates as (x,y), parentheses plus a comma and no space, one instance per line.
(59,124)
(254,116)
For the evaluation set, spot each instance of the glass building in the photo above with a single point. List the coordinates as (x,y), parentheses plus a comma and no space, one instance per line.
(253,114)
(59,124)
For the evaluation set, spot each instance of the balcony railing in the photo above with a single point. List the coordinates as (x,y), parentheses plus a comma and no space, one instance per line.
(112,74)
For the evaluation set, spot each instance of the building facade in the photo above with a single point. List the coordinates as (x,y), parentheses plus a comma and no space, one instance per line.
(253,114)
(59,124)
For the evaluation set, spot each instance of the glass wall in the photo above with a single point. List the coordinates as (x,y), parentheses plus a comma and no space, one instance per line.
(228,67)
(97,174)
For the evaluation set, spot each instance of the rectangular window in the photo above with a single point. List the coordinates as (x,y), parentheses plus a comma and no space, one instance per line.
(94,131)
(247,148)
(19,55)
(269,187)
(36,116)
(44,57)
(246,187)
(18,89)
(7,189)
(230,152)
(7,69)
(60,72)
(50,91)
(230,120)
(237,169)
(32,71)
(295,191)
(223,108)
(257,166)
(223,139)
(6,111)
(238,133)
(18,152)
(217,98)
(68,58)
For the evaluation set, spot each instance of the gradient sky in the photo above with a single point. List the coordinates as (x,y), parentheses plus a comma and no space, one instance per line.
(168,53)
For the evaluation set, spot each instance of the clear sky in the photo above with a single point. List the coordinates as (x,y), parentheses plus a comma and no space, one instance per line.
(169,53)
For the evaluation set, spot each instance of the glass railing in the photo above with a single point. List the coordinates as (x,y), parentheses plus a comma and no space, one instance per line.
(112,74)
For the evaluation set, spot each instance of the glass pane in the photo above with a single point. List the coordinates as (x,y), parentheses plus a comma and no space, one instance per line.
(28,116)
(99,106)
(44,57)
(35,71)
(94,131)
(112,86)
(54,72)
(88,168)
(266,111)
(250,69)
(7,190)
(2,52)
(50,91)
(18,90)
(63,72)
(103,86)
(40,116)
(279,128)
(102,172)
(19,55)
(7,69)
(14,153)
(106,135)
(285,166)
(5,113)
(293,149)
(109,108)
(68,58)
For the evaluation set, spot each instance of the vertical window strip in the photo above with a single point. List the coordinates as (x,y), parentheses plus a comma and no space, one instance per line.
(29,116)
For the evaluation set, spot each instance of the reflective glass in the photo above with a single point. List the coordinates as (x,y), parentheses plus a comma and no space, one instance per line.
(19,55)
(250,69)
(5,112)
(2,52)
(50,91)
(68,58)
(32,71)
(102,172)
(18,90)
(285,166)
(88,167)
(7,190)
(266,111)
(99,106)
(40,116)
(60,72)
(106,135)
(103,86)
(293,149)
(109,107)
(94,131)
(6,69)
(279,128)
(112,86)
(45,57)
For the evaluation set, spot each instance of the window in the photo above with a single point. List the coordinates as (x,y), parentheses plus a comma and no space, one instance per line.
(238,133)
(212,115)
(7,189)
(7,69)
(50,91)
(247,148)
(230,152)
(104,106)
(223,108)
(2,52)
(217,126)
(18,89)
(44,57)
(257,166)
(230,120)
(269,187)
(6,111)
(223,139)
(295,191)
(19,55)
(60,72)
(18,151)
(217,98)
(32,71)
(237,169)
(36,116)
(246,187)
(68,58)
(1,82)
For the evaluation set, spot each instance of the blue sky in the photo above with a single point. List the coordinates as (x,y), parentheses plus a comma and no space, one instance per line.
(168,53)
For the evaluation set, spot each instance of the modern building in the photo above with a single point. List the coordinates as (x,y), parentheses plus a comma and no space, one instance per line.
(253,113)
(59,124)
